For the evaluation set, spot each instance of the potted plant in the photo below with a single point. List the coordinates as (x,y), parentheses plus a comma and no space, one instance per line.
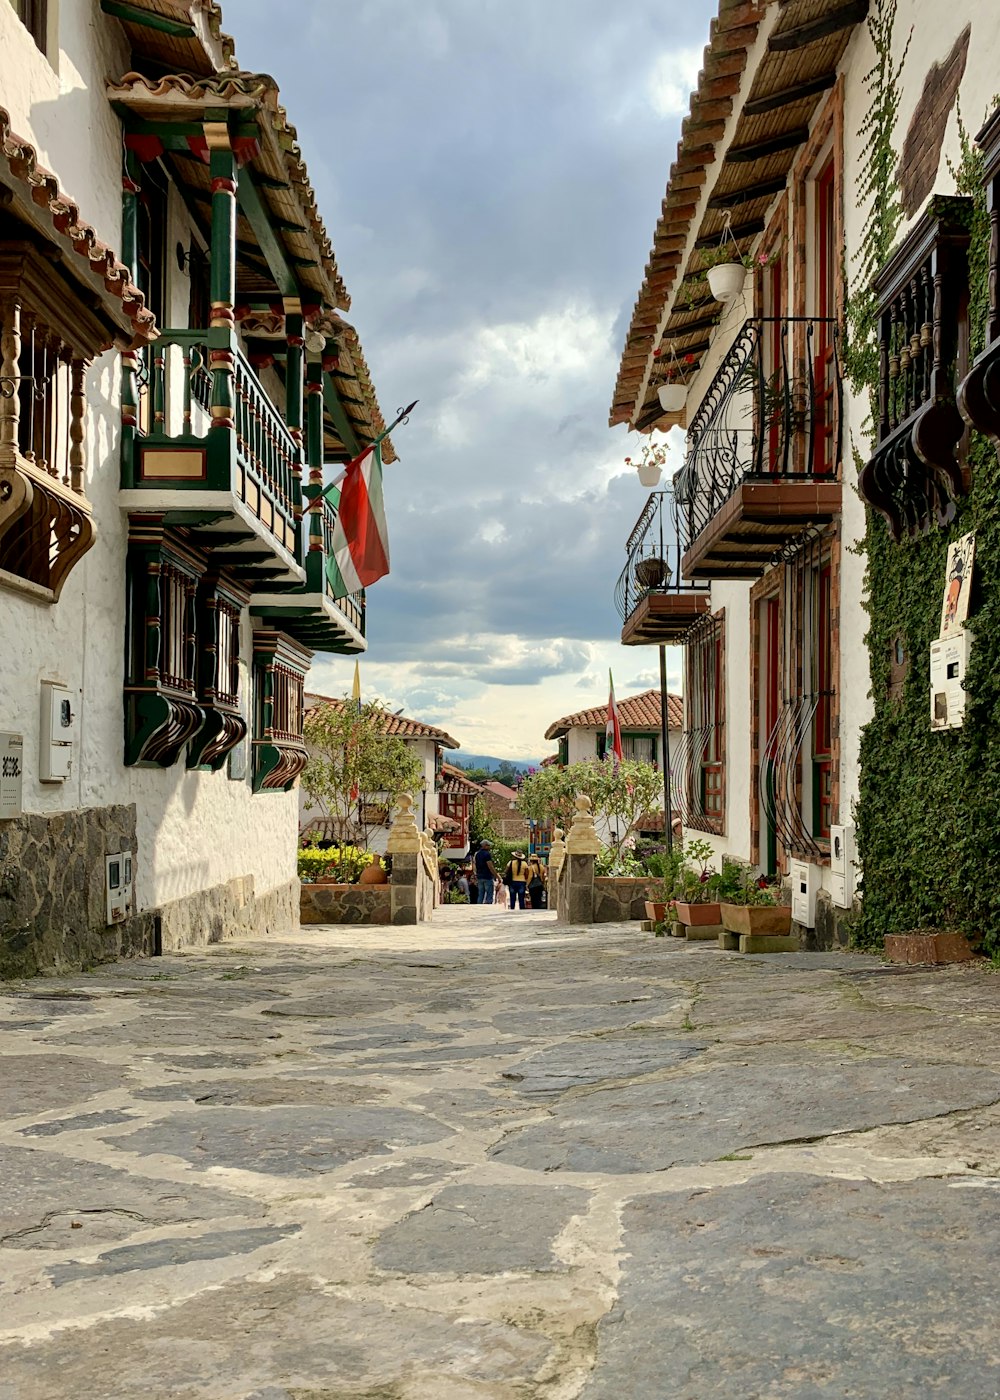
(654,455)
(652,571)
(695,887)
(666,866)
(726,267)
(673,374)
(750,903)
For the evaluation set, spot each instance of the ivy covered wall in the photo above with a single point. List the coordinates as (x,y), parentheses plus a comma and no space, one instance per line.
(928,813)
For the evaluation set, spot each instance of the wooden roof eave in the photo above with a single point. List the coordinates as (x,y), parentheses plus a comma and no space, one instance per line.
(752,171)
(276,170)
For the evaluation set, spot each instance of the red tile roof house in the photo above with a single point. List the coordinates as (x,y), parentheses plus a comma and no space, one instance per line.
(428,743)
(501,803)
(581,736)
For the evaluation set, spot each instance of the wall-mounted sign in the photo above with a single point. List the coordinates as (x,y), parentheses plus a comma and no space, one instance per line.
(957,586)
(11,774)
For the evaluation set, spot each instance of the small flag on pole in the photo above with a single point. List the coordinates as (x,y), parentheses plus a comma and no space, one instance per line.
(613,729)
(359,551)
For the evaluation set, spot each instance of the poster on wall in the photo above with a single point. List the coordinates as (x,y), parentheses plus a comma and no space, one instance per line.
(957,586)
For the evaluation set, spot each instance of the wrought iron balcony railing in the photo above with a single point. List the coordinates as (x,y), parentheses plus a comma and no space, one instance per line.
(652,601)
(772,418)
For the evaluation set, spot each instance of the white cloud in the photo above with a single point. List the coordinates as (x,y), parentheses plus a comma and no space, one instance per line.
(672,79)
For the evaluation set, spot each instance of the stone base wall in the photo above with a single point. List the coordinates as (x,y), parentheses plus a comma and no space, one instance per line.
(229,910)
(53,904)
(833,926)
(52,892)
(345,904)
(618,898)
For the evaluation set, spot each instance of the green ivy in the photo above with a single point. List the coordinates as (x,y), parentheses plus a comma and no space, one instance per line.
(928,811)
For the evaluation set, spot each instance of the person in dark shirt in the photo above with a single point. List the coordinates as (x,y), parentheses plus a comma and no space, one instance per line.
(485,873)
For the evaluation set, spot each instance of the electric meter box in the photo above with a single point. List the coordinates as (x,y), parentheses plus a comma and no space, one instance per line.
(805,880)
(58,733)
(842,866)
(949,663)
(118,887)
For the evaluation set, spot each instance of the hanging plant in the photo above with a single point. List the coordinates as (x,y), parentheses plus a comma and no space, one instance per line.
(671,377)
(650,465)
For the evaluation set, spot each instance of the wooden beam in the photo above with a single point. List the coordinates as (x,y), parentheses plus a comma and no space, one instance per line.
(134,14)
(843,17)
(278,260)
(772,146)
(744,230)
(338,417)
(812,87)
(748,193)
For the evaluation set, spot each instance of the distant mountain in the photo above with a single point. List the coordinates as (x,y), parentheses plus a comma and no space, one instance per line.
(483,760)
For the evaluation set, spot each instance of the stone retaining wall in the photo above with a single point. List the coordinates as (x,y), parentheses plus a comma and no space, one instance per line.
(345,904)
(620,898)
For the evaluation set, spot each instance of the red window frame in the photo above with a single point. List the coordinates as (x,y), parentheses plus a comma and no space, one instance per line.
(826,309)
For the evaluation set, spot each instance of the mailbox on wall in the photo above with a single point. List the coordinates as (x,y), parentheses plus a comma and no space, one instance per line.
(118,887)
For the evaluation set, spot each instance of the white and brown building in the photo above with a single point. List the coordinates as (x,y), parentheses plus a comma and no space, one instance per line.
(178,383)
(752,557)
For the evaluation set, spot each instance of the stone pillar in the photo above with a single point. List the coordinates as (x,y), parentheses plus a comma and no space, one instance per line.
(405,845)
(557,857)
(576,885)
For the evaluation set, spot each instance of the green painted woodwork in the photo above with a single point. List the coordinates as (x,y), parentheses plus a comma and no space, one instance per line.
(133,14)
(222,164)
(261,221)
(294,368)
(175,135)
(340,419)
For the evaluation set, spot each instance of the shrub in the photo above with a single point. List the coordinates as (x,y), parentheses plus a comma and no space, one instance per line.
(343,864)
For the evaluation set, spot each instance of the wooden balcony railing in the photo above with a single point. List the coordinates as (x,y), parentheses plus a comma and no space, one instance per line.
(914,477)
(184,445)
(45,518)
(765,449)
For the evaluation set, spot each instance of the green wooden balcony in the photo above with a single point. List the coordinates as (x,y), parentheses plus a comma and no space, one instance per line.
(310,612)
(207,449)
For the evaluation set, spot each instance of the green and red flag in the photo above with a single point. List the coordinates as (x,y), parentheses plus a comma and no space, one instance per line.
(360,544)
(613,729)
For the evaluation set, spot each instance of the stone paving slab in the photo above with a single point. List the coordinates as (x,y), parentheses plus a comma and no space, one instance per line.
(785,1286)
(499,1158)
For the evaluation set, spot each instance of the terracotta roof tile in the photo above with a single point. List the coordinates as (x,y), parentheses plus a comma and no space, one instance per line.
(54,213)
(637,712)
(443,824)
(454,780)
(394,724)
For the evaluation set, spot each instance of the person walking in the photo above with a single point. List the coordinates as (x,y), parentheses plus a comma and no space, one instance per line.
(536,883)
(519,872)
(485,873)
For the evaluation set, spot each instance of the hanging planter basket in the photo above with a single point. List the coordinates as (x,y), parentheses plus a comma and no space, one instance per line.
(726,280)
(672,397)
(649,474)
(651,572)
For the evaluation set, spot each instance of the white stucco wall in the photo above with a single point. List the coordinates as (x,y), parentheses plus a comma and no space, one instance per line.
(932,31)
(195,829)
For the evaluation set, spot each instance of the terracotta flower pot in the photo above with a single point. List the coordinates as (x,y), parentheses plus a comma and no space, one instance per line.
(757,918)
(656,912)
(373,874)
(697,915)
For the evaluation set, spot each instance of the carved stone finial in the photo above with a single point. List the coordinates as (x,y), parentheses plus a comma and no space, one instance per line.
(583,838)
(557,851)
(404,835)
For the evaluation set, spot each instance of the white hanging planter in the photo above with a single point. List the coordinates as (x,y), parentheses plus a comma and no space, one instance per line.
(649,474)
(672,397)
(726,280)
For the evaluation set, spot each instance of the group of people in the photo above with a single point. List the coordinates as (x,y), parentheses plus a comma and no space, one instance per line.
(521,884)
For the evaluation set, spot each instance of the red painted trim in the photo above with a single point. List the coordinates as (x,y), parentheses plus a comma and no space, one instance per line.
(145,147)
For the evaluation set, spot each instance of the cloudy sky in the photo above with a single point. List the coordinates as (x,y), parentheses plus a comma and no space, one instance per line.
(490,172)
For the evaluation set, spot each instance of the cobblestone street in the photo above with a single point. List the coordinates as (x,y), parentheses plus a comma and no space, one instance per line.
(495,1157)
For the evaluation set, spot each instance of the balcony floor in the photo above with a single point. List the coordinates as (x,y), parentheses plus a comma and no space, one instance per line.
(663,619)
(758,520)
(312,619)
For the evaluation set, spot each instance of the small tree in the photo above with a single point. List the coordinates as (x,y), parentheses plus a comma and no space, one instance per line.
(549,794)
(624,796)
(355,766)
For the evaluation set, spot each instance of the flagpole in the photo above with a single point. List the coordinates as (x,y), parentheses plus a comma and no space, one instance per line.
(668,823)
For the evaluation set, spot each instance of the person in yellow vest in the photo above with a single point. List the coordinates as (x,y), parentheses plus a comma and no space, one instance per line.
(517,874)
